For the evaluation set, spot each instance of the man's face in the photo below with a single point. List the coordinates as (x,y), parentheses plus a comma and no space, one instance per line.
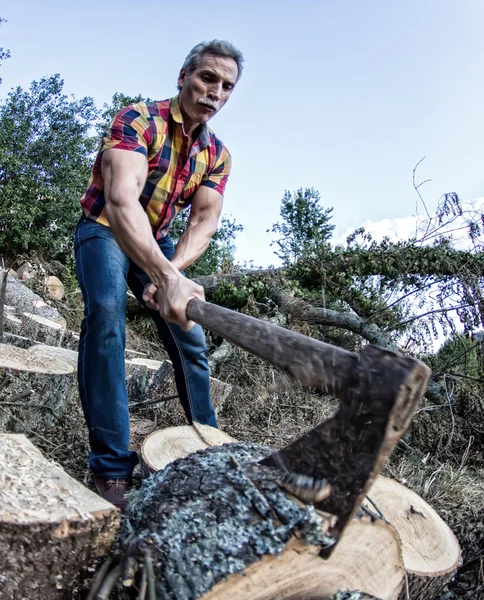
(207,89)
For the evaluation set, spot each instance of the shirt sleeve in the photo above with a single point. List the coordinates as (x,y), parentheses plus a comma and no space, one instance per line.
(129,130)
(217,178)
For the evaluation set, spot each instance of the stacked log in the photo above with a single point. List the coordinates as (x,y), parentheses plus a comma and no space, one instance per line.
(51,526)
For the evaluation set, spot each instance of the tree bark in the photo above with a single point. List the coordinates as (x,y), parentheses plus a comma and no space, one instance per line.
(51,526)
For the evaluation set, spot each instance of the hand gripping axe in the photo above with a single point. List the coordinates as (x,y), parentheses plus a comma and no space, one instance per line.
(334,464)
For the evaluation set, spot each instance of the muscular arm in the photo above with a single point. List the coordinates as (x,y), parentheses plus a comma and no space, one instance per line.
(124,175)
(205,212)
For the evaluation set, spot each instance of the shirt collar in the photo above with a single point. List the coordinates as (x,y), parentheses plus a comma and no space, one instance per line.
(203,136)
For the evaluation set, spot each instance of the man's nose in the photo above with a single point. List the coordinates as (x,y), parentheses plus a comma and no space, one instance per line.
(215,91)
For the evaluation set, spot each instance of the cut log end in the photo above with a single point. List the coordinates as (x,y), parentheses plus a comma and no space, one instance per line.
(18,359)
(431,552)
(166,445)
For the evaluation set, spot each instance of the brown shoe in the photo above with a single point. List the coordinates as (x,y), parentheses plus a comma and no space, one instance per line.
(113,490)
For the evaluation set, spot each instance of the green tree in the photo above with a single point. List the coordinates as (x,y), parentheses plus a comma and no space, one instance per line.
(219,256)
(46,150)
(305,226)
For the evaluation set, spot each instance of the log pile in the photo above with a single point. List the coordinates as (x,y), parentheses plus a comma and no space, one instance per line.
(50,525)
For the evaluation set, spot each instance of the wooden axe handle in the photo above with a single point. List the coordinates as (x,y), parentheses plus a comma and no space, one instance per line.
(315,364)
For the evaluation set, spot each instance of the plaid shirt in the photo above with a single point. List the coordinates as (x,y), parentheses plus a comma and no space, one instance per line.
(174,172)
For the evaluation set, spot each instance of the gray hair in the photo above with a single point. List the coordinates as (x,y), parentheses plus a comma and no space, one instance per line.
(216,48)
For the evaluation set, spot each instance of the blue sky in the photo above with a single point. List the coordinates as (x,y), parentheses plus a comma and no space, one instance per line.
(344,96)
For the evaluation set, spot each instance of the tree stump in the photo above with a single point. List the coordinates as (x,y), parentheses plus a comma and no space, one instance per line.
(37,390)
(431,552)
(51,526)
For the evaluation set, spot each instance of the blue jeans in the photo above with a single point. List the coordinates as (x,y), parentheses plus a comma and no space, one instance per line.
(103,271)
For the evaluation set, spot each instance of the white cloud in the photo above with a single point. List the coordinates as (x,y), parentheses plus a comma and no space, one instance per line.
(405,227)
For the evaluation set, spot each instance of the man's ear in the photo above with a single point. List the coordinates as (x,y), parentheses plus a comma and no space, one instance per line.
(181,78)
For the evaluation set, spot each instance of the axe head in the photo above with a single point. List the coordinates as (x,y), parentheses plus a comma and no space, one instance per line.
(334,464)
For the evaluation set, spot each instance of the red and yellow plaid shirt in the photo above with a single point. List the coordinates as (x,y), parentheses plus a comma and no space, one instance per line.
(174,171)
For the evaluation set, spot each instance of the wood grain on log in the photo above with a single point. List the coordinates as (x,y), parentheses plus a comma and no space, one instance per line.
(368,557)
(51,526)
(166,445)
(431,552)
(49,383)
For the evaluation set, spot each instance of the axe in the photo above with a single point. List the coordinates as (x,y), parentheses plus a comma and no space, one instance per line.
(334,464)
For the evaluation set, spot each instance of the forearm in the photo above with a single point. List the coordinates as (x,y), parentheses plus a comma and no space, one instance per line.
(193,243)
(133,234)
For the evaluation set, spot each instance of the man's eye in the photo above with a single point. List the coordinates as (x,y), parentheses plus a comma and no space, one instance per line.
(228,86)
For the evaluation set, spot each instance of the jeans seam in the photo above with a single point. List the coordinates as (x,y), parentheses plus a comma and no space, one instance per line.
(83,357)
(182,359)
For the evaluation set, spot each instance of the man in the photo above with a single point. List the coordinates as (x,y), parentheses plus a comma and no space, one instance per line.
(155,159)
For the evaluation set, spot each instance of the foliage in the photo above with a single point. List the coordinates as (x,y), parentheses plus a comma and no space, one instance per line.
(4,54)
(219,256)
(459,355)
(305,227)
(46,150)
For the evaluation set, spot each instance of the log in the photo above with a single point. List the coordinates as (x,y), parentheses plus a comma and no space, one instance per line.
(40,329)
(216,525)
(37,390)
(166,445)
(17,340)
(17,294)
(367,557)
(431,552)
(51,526)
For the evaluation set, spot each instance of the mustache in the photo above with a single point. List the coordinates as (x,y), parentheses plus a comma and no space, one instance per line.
(209,103)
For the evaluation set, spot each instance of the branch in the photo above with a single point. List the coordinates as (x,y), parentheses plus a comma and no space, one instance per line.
(303,311)
(431,312)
